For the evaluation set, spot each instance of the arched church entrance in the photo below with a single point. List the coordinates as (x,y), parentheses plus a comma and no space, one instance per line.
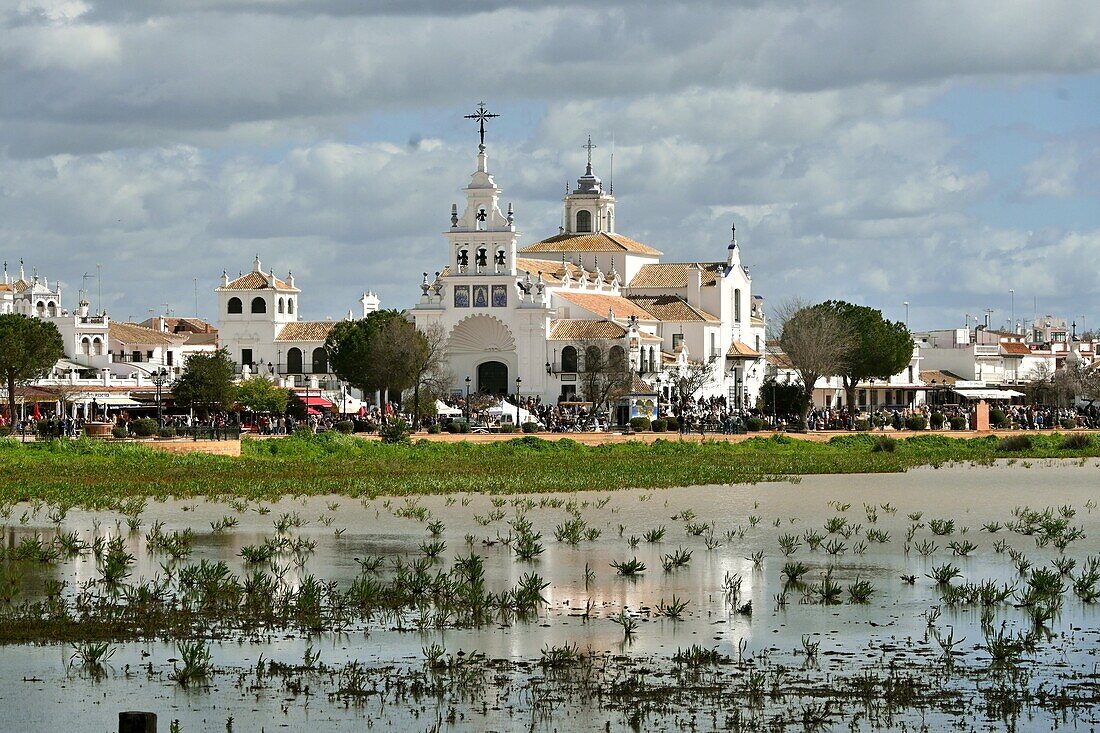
(492,378)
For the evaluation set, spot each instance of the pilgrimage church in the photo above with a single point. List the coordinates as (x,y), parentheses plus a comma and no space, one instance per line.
(528,319)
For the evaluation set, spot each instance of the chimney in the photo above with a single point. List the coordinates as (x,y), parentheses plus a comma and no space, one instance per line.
(695,285)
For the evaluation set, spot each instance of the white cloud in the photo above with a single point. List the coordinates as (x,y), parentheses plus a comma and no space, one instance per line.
(1054,173)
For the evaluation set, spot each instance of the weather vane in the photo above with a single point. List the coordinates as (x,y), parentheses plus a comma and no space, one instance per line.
(481,114)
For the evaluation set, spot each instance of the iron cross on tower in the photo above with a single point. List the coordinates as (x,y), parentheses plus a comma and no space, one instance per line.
(481,114)
(589,147)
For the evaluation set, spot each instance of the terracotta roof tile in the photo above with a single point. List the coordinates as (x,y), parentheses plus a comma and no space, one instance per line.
(739,350)
(596,242)
(1014,348)
(675,274)
(671,308)
(939,376)
(638,386)
(132,333)
(256,281)
(553,272)
(578,329)
(599,304)
(306,331)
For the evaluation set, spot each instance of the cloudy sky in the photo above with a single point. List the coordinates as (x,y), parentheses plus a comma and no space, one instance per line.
(940,153)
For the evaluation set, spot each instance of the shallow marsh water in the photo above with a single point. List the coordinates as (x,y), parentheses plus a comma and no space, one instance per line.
(510,691)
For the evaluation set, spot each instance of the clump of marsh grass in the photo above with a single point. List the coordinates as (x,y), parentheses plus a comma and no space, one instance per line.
(944,574)
(678,559)
(634,566)
(197,663)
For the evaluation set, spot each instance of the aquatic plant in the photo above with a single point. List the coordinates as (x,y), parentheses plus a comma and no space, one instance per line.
(860,591)
(674,609)
(654,535)
(944,574)
(941,527)
(793,571)
(634,566)
(197,663)
(678,559)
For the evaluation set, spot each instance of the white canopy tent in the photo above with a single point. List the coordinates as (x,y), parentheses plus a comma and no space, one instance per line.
(517,414)
(988,394)
(444,410)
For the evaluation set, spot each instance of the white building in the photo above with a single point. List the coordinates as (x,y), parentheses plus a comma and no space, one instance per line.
(527,319)
(259,324)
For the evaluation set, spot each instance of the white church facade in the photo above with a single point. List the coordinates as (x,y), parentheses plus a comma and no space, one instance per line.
(527,319)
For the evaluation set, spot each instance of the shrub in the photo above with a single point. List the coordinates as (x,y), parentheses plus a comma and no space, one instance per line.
(998,418)
(1069,424)
(463,427)
(345,426)
(658,426)
(639,424)
(144,427)
(434,429)
(671,423)
(366,426)
(884,444)
(452,428)
(1077,441)
(958,422)
(167,432)
(916,422)
(863,424)
(5,431)
(880,421)
(119,431)
(937,420)
(755,424)
(507,427)
(395,431)
(530,427)
(1014,443)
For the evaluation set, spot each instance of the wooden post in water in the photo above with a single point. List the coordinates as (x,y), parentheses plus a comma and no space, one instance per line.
(137,722)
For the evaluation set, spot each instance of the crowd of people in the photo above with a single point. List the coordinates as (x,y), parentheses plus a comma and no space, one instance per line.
(707,415)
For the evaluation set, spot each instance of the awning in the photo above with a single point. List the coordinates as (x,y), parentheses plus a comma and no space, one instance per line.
(316,402)
(106,401)
(988,394)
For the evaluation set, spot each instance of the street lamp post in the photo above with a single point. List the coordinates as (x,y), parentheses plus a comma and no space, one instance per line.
(160,378)
(519,381)
(467,403)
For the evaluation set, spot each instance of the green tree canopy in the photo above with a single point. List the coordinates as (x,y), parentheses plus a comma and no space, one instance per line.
(260,394)
(353,347)
(29,348)
(877,349)
(206,382)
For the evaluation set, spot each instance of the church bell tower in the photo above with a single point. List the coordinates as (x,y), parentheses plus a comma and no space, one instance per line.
(588,209)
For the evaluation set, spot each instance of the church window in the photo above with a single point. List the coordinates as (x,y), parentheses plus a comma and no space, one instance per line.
(737,305)
(41,309)
(259,305)
(280,305)
(320,360)
(592,358)
(97,347)
(569,359)
(290,306)
(677,339)
(294,361)
(584,221)
(85,345)
(52,308)
(234,306)
(617,357)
